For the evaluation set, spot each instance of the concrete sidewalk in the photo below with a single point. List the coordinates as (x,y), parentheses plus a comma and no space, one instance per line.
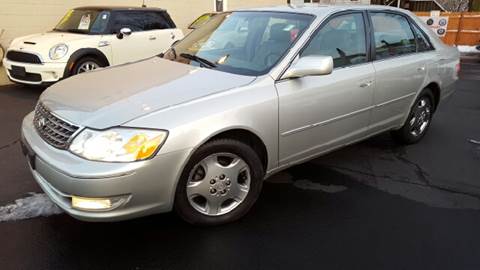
(3,77)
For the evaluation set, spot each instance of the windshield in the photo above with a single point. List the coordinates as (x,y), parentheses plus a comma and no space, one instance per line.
(246,43)
(84,21)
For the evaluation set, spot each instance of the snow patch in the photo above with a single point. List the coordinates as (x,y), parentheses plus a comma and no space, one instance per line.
(307,184)
(36,205)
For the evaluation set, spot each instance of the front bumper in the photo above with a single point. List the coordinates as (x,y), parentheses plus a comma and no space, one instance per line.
(36,74)
(149,185)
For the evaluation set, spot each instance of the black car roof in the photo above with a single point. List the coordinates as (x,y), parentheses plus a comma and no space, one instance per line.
(122,8)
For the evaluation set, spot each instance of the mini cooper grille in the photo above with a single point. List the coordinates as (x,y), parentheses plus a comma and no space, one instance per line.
(23,57)
(52,129)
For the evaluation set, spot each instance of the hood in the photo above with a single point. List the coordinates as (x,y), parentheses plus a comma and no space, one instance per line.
(41,43)
(51,38)
(113,96)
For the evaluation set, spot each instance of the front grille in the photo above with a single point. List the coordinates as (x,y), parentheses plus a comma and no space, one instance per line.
(23,57)
(52,129)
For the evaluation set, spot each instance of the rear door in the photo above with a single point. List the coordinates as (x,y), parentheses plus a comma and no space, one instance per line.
(400,70)
(318,113)
(161,31)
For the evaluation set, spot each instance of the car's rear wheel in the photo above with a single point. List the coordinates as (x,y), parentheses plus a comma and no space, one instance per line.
(86,64)
(220,183)
(418,121)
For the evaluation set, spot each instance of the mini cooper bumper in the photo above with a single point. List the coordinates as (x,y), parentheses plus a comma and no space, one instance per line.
(34,74)
(133,189)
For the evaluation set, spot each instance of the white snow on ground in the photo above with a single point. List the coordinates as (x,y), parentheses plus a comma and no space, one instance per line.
(307,184)
(36,205)
(467,49)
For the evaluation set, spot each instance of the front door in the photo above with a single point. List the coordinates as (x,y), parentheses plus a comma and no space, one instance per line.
(318,113)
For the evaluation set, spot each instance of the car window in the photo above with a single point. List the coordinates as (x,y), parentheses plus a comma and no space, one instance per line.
(393,35)
(422,41)
(82,21)
(201,20)
(129,19)
(343,38)
(101,23)
(247,43)
(155,21)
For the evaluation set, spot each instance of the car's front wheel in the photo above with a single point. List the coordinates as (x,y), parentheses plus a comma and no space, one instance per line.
(220,183)
(86,64)
(418,120)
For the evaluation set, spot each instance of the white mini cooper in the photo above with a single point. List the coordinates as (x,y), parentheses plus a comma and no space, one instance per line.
(87,38)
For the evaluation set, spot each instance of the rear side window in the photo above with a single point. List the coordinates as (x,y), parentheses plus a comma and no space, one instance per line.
(343,38)
(155,21)
(393,35)
(423,44)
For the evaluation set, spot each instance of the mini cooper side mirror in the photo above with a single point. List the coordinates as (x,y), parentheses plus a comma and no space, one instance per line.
(310,66)
(124,32)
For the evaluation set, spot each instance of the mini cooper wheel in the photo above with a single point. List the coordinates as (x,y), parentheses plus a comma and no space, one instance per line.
(220,183)
(85,65)
(418,120)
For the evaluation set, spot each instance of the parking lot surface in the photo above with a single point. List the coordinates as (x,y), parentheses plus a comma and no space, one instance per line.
(372,205)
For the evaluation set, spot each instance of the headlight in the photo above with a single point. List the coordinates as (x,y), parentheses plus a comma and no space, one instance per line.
(58,51)
(118,144)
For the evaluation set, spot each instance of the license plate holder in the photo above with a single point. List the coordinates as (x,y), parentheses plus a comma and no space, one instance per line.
(18,71)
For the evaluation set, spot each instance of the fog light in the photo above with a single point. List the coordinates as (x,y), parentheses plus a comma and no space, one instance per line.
(97,204)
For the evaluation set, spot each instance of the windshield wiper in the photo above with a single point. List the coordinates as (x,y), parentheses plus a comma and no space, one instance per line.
(203,61)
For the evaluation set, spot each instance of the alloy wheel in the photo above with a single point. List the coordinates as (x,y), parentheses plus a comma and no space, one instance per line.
(87,66)
(420,119)
(218,184)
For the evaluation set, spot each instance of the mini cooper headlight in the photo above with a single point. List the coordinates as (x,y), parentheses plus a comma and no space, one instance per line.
(118,144)
(58,51)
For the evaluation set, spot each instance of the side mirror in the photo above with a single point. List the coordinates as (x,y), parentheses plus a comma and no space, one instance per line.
(124,32)
(310,66)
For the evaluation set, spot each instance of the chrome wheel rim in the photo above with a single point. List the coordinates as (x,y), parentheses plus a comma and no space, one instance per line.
(87,66)
(421,117)
(218,184)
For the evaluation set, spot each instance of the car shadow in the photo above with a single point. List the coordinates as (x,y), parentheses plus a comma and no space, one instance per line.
(19,91)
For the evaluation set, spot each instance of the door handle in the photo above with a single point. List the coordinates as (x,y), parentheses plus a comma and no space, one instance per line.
(172,35)
(366,84)
(421,69)
(152,38)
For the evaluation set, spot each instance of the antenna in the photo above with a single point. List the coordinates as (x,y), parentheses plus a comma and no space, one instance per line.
(143,3)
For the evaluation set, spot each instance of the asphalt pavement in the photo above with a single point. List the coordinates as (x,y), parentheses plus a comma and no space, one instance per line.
(372,205)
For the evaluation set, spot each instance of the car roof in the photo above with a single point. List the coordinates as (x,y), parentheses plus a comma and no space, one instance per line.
(122,8)
(321,9)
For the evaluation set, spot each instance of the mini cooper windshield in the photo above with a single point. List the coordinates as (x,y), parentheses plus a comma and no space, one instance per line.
(246,43)
(84,21)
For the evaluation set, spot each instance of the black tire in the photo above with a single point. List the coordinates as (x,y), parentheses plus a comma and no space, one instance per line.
(82,61)
(406,134)
(184,208)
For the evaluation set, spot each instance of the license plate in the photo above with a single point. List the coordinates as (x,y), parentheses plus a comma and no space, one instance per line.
(28,152)
(18,71)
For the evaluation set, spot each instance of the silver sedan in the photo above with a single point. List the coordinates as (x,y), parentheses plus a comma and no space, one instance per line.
(248,94)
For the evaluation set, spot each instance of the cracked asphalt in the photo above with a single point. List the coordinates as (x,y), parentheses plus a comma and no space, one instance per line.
(372,205)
